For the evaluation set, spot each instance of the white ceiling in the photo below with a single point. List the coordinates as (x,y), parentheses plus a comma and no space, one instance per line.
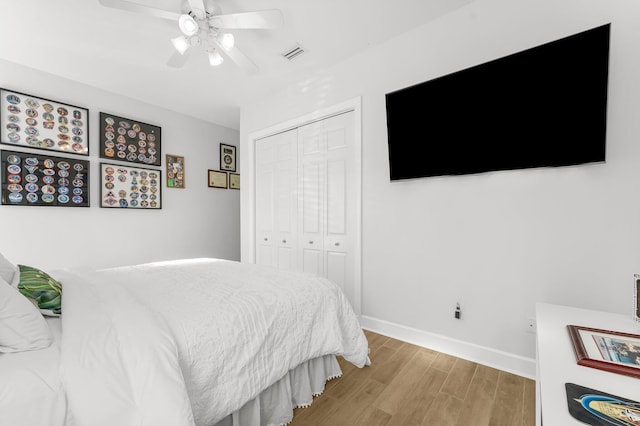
(126,53)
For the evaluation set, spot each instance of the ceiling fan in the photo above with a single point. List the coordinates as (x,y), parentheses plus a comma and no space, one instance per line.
(203,25)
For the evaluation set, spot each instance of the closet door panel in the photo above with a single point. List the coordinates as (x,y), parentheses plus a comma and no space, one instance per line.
(311,213)
(265,255)
(286,223)
(340,183)
(276,206)
(312,261)
(336,197)
(337,266)
(286,259)
(311,199)
(265,215)
(286,169)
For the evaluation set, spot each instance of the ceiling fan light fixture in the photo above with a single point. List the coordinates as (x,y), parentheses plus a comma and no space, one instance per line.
(188,25)
(181,44)
(227,41)
(215,58)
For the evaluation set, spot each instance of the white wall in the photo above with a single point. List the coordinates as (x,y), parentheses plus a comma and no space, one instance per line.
(194,222)
(496,242)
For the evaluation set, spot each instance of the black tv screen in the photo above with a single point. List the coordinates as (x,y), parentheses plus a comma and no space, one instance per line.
(545,106)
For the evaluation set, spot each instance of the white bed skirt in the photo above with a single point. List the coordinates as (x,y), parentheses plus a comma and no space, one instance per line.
(297,388)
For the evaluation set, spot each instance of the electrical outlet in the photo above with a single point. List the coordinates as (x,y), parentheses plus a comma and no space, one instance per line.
(531,325)
(458,312)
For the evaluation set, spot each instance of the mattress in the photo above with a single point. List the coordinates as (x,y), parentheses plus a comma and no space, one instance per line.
(31,392)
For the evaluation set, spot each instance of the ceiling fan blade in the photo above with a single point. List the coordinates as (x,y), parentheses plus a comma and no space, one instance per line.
(138,8)
(239,58)
(198,8)
(177,60)
(261,19)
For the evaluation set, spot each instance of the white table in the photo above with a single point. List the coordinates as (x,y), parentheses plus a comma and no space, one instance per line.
(556,361)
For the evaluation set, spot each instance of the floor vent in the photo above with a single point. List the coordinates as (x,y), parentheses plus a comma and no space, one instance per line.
(294,52)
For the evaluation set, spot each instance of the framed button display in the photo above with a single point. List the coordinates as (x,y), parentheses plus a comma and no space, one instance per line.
(34,122)
(130,187)
(124,139)
(175,171)
(44,180)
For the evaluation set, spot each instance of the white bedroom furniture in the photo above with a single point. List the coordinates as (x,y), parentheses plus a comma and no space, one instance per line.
(556,361)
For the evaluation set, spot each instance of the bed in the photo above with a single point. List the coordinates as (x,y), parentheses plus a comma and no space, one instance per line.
(202,342)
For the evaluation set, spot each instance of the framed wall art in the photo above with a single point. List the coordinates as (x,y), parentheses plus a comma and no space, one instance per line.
(227,157)
(175,171)
(217,179)
(234,181)
(44,180)
(34,122)
(130,187)
(128,140)
(606,350)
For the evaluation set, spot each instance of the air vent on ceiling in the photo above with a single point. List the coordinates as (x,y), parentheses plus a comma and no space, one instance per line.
(293,52)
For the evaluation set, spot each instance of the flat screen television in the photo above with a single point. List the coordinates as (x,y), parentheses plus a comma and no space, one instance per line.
(545,106)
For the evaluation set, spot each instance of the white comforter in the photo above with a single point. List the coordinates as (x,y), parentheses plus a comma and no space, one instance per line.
(188,342)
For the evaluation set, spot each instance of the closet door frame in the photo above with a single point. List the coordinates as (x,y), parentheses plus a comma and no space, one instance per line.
(354,105)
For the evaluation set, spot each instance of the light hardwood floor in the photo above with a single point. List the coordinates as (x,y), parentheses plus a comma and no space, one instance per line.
(407,385)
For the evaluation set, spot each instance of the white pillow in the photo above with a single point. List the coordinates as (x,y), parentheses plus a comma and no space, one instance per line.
(7,269)
(22,327)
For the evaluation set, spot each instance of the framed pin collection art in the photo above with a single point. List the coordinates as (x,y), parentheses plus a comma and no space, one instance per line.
(128,140)
(175,171)
(44,180)
(130,187)
(32,122)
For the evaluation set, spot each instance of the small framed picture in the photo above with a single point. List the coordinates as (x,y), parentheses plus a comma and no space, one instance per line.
(607,350)
(217,179)
(175,171)
(234,181)
(227,158)
(636,296)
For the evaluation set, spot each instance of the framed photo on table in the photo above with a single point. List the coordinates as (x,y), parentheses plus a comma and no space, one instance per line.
(606,350)
(217,179)
(32,122)
(227,157)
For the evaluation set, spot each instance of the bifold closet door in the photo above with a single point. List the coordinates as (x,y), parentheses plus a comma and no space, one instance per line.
(276,202)
(326,207)
(305,200)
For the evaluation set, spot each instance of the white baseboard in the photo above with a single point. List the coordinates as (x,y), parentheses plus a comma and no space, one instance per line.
(516,364)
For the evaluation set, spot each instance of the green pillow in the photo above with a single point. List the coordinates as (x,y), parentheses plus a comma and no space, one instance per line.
(41,289)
